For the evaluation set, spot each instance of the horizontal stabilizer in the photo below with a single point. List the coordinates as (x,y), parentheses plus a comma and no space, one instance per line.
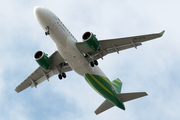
(104,106)
(124,97)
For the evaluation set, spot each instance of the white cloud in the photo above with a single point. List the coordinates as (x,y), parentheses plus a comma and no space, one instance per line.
(1,86)
(153,67)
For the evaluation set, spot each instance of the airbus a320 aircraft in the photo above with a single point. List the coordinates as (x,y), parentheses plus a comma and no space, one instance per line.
(82,58)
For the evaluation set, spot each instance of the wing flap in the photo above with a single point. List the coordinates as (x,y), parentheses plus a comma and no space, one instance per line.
(34,79)
(122,47)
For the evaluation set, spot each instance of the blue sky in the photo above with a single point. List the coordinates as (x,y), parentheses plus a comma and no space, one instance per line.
(153,67)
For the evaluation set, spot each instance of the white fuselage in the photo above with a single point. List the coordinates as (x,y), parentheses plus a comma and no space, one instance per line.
(65,42)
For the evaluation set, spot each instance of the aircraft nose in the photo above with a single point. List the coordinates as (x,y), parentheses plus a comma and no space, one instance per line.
(38,11)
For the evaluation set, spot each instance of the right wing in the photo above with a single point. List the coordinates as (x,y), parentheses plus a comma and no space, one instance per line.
(114,45)
(40,74)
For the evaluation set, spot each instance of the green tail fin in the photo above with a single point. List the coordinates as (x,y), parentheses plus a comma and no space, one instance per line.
(117,85)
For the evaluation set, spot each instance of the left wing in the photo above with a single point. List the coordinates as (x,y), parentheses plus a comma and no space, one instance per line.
(114,45)
(40,74)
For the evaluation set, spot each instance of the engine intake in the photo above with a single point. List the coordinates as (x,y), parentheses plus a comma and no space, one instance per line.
(86,36)
(90,40)
(42,59)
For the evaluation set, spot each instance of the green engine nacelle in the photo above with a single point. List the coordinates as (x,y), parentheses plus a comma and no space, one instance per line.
(42,59)
(90,40)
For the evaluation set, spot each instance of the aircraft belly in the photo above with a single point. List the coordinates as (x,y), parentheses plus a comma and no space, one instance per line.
(65,43)
(78,62)
(58,36)
(74,58)
(66,46)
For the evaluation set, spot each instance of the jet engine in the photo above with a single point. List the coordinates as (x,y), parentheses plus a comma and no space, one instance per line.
(91,41)
(42,59)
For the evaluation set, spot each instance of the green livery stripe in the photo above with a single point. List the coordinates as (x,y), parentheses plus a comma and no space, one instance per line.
(104,87)
(118,80)
(92,85)
(115,84)
(106,79)
(101,85)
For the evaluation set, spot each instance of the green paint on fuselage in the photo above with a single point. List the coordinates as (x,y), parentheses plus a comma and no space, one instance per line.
(104,87)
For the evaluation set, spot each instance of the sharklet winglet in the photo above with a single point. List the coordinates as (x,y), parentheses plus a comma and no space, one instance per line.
(162,33)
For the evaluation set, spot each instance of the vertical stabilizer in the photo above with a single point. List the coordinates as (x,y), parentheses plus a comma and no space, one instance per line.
(117,85)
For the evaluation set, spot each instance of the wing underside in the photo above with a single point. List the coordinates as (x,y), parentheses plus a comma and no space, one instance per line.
(115,45)
(40,74)
(106,47)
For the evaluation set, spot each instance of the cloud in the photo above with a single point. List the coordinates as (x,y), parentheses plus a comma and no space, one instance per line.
(153,67)
(1,86)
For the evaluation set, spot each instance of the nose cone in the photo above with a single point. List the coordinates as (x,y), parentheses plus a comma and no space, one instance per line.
(38,11)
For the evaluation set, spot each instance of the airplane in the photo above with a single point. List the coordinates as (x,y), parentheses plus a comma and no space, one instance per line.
(82,58)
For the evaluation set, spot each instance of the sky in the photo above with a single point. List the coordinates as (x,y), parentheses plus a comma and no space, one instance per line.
(152,68)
